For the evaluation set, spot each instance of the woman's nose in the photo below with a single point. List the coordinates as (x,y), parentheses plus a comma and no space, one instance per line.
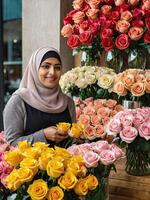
(51,70)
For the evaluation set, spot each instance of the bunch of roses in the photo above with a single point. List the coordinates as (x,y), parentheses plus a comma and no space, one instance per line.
(96,153)
(83,77)
(94,115)
(134,81)
(63,172)
(118,23)
(130,124)
(5,168)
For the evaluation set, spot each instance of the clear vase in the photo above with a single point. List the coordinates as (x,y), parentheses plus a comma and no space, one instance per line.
(137,160)
(131,104)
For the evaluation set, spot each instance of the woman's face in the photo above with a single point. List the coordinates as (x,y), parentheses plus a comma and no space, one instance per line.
(50,72)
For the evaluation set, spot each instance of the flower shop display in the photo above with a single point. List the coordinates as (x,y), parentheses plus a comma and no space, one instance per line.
(99,158)
(116,27)
(5,168)
(88,81)
(132,129)
(133,85)
(94,115)
(41,172)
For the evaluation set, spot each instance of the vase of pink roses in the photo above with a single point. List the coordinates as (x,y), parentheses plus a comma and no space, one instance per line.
(132,128)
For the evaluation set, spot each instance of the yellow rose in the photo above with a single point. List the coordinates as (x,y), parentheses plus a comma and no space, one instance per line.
(81,188)
(13,158)
(63,126)
(30,163)
(38,190)
(76,130)
(62,152)
(40,146)
(67,181)
(25,174)
(105,81)
(45,157)
(12,181)
(31,153)
(23,145)
(55,168)
(55,193)
(92,182)
(73,167)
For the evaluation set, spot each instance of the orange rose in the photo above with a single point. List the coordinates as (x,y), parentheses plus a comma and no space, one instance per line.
(92,13)
(126,15)
(77,4)
(67,30)
(135,33)
(122,26)
(128,80)
(120,89)
(106,10)
(78,17)
(138,89)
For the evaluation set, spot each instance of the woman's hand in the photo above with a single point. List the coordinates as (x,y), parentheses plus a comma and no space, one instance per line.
(53,134)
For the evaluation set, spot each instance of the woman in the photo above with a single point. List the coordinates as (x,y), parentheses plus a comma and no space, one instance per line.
(38,105)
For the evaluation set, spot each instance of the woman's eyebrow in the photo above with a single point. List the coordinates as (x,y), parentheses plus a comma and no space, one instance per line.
(51,63)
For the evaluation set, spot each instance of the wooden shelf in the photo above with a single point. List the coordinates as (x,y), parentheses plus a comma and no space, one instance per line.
(126,187)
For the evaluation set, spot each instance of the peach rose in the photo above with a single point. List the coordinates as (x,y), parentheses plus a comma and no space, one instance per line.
(103,112)
(120,89)
(78,17)
(126,15)
(128,134)
(144,130)
(147,84)
(67,30)
(119,108)
(99,103)
(105,120)
(140,78)
(119,2)
(84,119)
(138,89)
(92,13)
(93,3)
(146,5)
(106,9)
(135,33)
(100,131)
(89,110)
(90,132)
(128,80)
(133,2)
(110,103)
(78,112)
(95,119)
(122,26)
(77,4)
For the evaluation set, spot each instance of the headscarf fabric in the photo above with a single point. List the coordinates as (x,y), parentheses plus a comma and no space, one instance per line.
(34,93)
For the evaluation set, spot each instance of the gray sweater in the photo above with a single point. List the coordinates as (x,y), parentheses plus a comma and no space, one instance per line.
(14,118)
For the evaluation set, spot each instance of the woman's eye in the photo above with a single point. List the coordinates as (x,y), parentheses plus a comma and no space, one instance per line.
(57,67)
(45,66)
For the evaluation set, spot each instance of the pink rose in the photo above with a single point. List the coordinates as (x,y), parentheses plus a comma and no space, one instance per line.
(67,30)
(106,9)
(94,28)
(122,26)
(126,15)
(135,33)
(105,120)
(84,119)
(146,5)
(74,149)
(128,134)
(107,157)
(127,119)
(118,151)
(100,146)
(3,147)
(77,4)
(92,13)
(84,148)
(88,101)
(78,112)
(78,17)
(86,37)
(91,159)
(138,119)
(119,2)
(95,120)
(73,41)
(2,137)
(138,13)
(144,130)
(89,132)
(122,41)
(114,126)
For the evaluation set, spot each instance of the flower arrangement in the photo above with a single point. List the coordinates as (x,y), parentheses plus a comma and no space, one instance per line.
(96,25)
(5,168)
(88,81)
(41,172)
(132,84)
(132,128)
(94,115)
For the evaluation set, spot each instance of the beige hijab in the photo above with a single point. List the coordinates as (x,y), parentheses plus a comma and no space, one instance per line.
(34,93)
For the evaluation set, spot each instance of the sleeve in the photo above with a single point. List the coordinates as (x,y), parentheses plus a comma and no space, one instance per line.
(14,117)
(71,106)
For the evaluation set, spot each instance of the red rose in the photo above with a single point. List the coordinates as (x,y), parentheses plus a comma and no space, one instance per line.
(123,7)
(94,28)
(122,41)
(108,24)
(76,29)
(73,41)
(83,26)
(68,20)
(147,37)
(86,37)
(107,32)
(115,15)
(107,44)
(147,22)
(137,23)
(102,19)
(85,7)
(109,2)
(138,13)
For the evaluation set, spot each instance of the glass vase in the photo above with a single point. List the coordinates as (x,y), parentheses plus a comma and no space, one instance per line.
(137,160)
(127,104)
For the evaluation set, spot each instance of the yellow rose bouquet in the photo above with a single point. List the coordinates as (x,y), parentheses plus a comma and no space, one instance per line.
(44,173)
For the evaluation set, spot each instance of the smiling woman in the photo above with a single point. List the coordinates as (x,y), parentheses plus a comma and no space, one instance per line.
(39,104)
